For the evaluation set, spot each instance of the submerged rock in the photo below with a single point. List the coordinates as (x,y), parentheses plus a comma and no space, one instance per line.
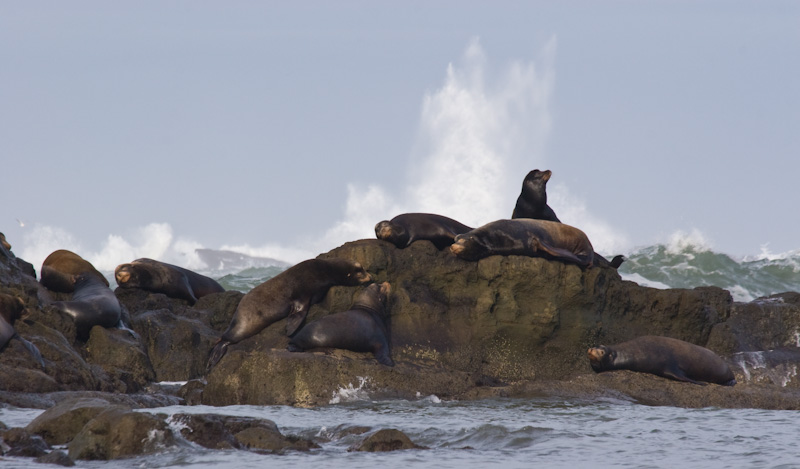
(386,440)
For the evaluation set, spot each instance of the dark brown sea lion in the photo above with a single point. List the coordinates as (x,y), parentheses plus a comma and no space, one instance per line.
(11,308)
(665,357)
(171,280)
(532,201)
(526,237)
(404,229)
(288,294)
(92,304)
(60,268)
(25,266)
(362,328)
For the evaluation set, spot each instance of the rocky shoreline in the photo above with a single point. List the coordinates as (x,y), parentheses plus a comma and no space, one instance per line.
(513,326)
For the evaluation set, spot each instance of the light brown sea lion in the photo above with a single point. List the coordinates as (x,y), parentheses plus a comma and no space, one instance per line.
(404,229)
(287,295)
(532,201)
(665,357)
(92,304)
(362,328)
(60,268)
(526,237)
(171,280)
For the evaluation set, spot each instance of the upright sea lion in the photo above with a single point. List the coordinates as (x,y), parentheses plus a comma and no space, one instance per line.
(404,229)
(171,280)
(288,294)
(526,237)
(665,357)
(92,304)
(362,328)
(11,308)
(60,268)
(532,201)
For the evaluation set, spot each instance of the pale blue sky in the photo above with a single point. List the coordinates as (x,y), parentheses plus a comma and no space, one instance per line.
(243,123)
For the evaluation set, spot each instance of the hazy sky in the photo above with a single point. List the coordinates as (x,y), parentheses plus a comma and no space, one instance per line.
(286,128)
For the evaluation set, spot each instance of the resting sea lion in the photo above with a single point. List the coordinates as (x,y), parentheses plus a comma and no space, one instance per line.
(171,280)
(288,294)
(60,268)
(526,237)
(532,201)
(665,357)
(92,304)
(360,329)
(404,229)
(11,308)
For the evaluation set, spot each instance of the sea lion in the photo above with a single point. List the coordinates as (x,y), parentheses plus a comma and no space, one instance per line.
(288,294)
(92,304)
(526,237)
(171,280)
(665,357)
(404,229)
(25,266)
(11,308)
(360,329)
(60,268)
(532,201)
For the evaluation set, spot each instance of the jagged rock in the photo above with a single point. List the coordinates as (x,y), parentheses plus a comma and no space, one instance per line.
(174,344)
(226,432)
(118,433)
(120,355)
(501,319)
(59,458)
(387,440)
(23,443)
(59,424)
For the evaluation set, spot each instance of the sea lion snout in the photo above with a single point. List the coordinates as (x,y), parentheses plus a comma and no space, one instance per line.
(122,275)
(596,354)
(458,246)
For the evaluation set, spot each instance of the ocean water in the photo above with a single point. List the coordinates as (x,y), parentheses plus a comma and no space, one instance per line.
(496,433)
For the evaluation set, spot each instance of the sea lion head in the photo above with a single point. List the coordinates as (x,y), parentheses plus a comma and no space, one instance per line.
(468,246)
(601,358)
(392,233)
(4,243)
(350,273)
(131,275)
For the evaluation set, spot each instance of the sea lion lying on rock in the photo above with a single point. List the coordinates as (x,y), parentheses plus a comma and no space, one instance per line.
(404,229)
(287,295)
(362,328)
(171,280)
(60,268)
(526,237)
(665,357)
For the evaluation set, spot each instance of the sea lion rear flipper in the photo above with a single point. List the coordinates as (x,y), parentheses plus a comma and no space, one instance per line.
(32,349)
(216,354)
(561,253)
(682,377)
(296,317)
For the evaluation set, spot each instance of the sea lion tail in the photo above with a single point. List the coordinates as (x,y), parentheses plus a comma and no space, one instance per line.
(217,353)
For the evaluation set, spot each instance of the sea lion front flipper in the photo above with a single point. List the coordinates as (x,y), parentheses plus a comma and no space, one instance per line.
(296,317)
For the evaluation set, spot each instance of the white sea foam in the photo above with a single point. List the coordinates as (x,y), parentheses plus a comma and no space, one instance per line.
(644,281)
(350,393)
